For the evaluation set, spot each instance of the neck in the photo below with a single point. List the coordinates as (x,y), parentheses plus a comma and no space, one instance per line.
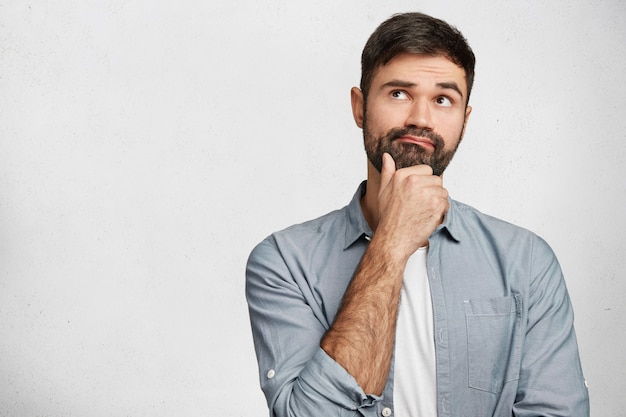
(369,201)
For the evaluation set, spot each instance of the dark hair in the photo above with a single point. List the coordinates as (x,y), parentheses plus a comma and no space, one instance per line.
(415,33)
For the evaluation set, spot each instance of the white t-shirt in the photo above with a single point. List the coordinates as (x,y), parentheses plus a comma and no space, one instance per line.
(415,389)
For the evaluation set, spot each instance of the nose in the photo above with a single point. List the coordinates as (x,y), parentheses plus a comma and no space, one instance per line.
(420,115)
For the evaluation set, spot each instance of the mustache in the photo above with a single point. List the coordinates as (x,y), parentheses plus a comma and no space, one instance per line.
(397,133)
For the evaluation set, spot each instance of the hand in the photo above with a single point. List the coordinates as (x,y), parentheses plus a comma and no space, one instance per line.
(412,203)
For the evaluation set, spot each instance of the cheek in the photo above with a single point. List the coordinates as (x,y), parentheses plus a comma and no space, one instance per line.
(451,129)
(382,119)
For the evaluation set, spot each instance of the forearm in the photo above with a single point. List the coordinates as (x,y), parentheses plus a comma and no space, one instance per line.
(362,336)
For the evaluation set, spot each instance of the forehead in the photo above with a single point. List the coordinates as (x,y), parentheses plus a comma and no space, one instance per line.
(420,69)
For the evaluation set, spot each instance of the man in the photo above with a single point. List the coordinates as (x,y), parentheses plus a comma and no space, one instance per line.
(405,302)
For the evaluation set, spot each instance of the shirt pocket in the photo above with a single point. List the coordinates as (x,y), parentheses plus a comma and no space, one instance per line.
(494,338)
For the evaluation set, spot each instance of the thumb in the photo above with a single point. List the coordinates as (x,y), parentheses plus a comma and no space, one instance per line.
(387,170)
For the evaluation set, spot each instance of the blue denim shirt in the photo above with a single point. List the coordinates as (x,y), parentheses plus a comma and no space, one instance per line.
(503,323)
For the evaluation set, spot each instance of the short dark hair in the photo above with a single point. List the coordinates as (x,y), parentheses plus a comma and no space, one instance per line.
(415,33)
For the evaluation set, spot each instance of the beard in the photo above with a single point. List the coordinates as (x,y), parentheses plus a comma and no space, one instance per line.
(408,154)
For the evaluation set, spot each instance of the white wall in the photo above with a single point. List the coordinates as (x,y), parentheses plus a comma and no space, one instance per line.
(147,146)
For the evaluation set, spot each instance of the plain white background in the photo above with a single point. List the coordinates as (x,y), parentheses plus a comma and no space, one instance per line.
(147,146)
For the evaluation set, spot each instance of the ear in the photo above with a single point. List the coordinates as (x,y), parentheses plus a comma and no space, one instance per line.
(356,97)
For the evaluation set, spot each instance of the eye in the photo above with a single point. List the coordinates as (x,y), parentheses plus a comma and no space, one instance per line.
(443,101)
(399,95)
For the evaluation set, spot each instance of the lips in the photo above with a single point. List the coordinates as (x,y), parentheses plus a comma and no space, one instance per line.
(418,140)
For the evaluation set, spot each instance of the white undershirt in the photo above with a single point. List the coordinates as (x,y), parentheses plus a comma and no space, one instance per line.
(415,390)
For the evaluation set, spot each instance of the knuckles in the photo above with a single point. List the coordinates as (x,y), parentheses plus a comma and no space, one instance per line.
(414,181)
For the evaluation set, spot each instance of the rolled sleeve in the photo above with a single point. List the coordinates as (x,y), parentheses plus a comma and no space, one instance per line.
(324,385)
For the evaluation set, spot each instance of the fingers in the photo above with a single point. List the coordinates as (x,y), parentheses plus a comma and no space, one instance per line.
(417,175)
(424,170)
(389,169)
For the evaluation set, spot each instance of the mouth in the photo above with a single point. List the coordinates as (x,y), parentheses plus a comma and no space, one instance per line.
(418,140)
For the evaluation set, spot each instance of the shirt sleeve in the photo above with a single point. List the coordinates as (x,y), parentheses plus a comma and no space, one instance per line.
(551,378)
(297,377)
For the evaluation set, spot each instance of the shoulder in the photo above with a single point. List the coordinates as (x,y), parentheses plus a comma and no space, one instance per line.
(474,225)
(473,219)
(301,233)
(298,237)
(328,223)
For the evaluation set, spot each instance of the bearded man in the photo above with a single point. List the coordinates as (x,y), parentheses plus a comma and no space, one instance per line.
(406,302)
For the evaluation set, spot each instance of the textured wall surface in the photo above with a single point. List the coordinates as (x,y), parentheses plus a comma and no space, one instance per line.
(147,146)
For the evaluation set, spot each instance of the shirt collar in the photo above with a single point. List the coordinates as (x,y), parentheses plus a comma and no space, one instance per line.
(357,227)
(451,223)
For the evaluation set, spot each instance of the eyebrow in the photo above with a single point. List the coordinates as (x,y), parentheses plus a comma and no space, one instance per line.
(446,85)
(450,86)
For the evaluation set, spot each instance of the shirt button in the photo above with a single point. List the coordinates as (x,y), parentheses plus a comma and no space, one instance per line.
(271,373)
(386,412)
